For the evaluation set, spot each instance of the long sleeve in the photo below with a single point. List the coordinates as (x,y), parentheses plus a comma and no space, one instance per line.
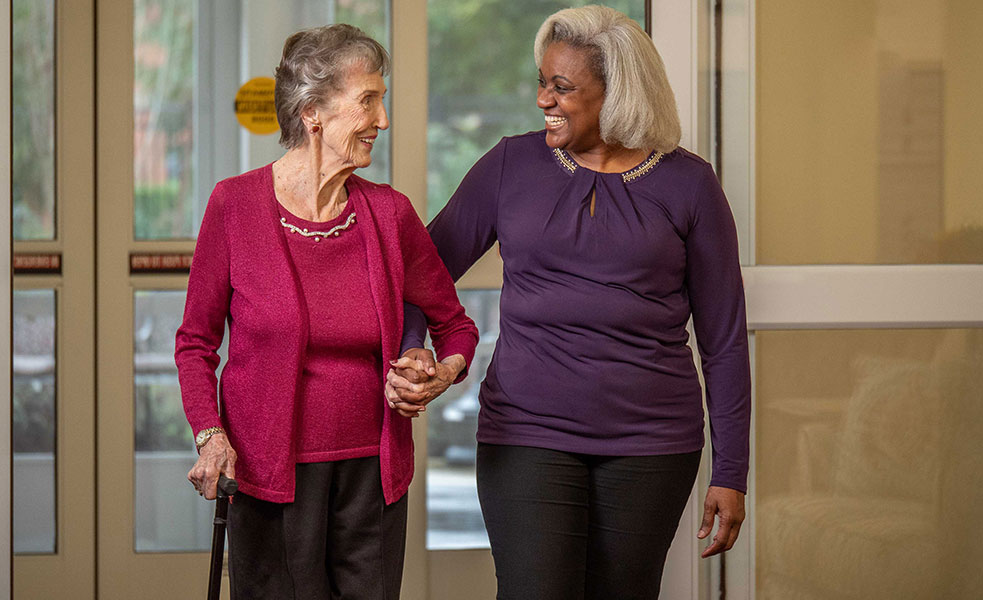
(428,286)
(716,296)
(205,312)
(463,231)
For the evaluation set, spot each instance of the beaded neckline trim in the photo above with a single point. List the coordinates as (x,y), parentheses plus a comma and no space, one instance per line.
(627,177)
(317,235)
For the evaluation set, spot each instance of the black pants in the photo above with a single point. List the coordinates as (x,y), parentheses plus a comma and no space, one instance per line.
(568,526)
(338,539)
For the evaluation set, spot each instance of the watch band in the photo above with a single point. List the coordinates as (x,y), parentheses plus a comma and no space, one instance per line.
(204,435)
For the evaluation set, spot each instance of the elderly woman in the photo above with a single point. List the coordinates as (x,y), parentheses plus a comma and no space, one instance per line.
(591,423)
(309,265)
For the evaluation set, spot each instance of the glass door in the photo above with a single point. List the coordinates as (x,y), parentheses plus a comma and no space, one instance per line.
(53,398)
(848,130)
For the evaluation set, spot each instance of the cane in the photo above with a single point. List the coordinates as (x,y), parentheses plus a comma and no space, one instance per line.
(226,488)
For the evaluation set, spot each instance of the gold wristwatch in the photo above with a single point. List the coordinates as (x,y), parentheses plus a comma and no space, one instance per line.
(204,435)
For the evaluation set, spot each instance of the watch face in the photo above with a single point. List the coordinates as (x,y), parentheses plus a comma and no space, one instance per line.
(204,434)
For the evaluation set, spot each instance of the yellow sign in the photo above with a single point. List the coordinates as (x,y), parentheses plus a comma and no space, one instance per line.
(255,109)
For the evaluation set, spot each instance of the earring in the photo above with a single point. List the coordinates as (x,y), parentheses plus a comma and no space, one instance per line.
(315,128)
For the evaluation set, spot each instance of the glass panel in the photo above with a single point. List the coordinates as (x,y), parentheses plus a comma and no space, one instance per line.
(163,119)
(34,422)
(869,464)
(190,60)
(33,116)
(483,80)
(169,513)
(453,514)
(868,132)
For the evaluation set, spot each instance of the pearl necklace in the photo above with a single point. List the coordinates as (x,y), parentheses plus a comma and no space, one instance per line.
(317,235)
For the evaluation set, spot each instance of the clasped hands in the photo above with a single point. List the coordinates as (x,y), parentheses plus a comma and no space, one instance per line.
(415,379)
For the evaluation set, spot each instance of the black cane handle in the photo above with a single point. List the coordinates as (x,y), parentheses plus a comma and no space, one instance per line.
(226,487)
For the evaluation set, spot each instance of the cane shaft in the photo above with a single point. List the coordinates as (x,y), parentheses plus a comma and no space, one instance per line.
(218,547)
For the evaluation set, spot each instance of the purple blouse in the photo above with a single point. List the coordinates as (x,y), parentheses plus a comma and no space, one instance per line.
(592,356)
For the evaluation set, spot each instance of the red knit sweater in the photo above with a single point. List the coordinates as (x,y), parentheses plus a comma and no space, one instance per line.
(242,273)
(340,415)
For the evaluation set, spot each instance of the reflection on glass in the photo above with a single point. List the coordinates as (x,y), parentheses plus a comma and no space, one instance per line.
(868,132)
(483,80)
(163,118)
(169,513)
(869,464)
(453,514)
(33,115)
(34,421)
(190,59)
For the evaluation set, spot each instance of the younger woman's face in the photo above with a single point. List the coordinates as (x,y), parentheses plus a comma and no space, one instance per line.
(571,97)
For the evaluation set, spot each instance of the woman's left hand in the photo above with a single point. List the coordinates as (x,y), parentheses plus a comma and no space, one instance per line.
(728,506)
(216,458)
(409,399)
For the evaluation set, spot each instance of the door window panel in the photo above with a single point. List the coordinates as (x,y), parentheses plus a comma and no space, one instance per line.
(868,132)
(34,422)
(164,199)
(454,516)
(170,516)
(33,116)
(869,463)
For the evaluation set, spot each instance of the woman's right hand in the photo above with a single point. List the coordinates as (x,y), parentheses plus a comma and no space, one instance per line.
(216,458)
(416,379)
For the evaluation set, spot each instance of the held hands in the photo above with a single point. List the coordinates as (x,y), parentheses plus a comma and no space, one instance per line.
(217,458)
(728,506)
(416,379)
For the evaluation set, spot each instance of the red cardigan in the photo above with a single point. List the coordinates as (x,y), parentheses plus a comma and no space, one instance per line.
(242,273)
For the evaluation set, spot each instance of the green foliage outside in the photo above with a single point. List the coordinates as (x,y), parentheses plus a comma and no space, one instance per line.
(163,104)
(159,209)
(32,95)
(483,80)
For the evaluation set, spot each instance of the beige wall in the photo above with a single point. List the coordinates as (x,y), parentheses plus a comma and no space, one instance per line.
(816,116)
(868,133)
(963,51)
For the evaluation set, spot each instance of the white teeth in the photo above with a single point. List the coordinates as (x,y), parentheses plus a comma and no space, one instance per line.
(367,140)
(550,120)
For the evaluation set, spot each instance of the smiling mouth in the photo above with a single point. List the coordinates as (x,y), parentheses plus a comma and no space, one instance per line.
(553,122)
(368,141)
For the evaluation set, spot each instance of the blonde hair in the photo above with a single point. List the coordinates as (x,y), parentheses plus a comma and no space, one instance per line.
(639,109)
(313,68)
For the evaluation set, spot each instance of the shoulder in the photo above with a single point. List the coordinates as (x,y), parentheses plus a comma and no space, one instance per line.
(688,173)
(378,192)
(513,154)
(684,163)
(381,195)
(529,144)
(243,188)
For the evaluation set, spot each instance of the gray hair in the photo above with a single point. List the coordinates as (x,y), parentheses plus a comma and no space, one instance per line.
(313,68)
(639,109)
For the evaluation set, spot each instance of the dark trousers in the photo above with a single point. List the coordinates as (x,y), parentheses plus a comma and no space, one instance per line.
(569,526)
(337,539)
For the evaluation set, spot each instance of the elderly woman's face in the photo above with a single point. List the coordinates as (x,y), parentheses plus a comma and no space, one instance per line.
(571,97)
(351,120)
